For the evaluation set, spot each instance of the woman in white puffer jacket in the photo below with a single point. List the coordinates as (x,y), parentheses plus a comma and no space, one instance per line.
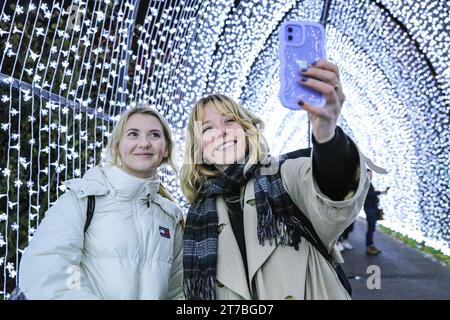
(132,248)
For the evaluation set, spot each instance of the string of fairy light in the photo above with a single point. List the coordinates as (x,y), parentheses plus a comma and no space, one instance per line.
(68,69)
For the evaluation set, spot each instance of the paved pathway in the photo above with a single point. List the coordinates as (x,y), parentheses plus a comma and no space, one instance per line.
(406,273)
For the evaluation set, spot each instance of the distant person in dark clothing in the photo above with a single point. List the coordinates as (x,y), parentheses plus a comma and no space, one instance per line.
(343,243)
(371,208)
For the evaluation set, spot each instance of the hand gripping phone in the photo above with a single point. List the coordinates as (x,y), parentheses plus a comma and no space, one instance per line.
(301,43)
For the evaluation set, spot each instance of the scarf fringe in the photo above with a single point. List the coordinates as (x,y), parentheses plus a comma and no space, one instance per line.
(278,229)
(202,287)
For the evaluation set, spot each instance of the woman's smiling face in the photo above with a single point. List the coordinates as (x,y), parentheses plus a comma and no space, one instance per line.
(223,138)
(142,146)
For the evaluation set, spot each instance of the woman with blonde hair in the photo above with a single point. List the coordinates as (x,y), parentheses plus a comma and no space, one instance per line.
(131,246)
(265,228)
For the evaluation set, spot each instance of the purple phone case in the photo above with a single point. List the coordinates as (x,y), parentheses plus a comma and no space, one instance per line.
(301,43)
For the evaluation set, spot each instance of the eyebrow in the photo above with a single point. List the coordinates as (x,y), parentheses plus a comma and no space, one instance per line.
(224,115)
(152,130)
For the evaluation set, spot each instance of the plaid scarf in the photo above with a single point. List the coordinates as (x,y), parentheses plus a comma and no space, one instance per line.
(276,223)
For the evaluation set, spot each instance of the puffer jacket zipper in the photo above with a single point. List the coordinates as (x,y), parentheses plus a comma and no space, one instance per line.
(140,231)
(140,241)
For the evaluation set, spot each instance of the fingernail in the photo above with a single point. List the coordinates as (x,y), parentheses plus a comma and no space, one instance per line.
(314,63)
(303,79)
(304,69)
(300,103)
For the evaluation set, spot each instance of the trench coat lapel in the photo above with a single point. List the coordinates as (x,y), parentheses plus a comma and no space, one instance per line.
(256,253)
(230,267)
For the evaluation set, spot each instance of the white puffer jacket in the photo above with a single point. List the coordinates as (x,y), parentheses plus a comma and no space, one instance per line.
(131,250)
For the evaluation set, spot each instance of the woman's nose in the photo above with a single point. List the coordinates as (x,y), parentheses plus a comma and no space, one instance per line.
(222,132)
(144,143)
(215,134)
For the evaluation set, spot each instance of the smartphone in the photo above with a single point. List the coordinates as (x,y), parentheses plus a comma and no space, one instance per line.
(301,43)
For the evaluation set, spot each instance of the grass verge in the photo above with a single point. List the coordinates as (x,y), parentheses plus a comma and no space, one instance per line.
(413,243)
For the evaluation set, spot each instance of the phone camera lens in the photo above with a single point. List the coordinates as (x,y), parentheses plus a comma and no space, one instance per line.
(289,29)
(290,38)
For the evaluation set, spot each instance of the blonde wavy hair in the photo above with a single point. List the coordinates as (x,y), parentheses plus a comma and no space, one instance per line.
(194,171)
(112,155)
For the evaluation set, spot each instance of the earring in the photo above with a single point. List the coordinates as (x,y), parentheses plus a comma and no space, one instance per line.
(119,162)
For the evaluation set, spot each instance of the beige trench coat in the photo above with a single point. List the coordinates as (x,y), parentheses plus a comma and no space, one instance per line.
(281,272)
